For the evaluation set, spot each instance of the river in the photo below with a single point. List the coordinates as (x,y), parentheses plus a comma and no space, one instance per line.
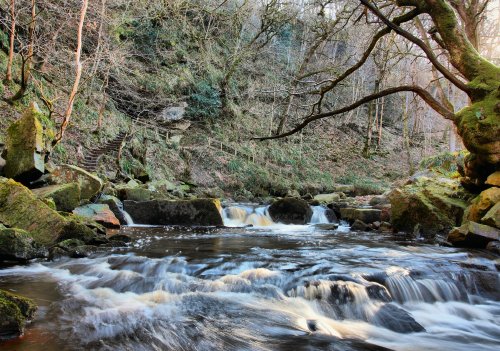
(266,287)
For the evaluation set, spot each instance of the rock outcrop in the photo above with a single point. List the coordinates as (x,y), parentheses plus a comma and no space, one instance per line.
(18,245)
(24,155)
(290,211)
(199,212)
(66,197)
(90,185)
(472,234)
(19,208)
(432,205)
(15,311)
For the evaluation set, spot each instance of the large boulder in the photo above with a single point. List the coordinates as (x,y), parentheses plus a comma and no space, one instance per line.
(18,245)
(65,196)
(482,204)
(473,234)
(24,155)
(19,208)
(199,212)
(15,311)
(90,185)
(100,213)
(291,211)
(434,204)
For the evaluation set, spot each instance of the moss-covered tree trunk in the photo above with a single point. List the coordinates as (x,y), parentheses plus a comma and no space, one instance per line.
(479,123)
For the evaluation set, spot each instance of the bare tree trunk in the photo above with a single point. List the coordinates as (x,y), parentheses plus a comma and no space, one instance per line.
(369,132)
(380,123)
(26,66)
(78,64)
(8,74)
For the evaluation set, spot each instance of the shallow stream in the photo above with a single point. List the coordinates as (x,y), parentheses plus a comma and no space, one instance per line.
(267,287)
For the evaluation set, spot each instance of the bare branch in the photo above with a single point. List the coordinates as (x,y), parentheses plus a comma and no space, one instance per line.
(426,96)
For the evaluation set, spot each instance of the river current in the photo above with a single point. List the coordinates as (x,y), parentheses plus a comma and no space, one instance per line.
(266,287)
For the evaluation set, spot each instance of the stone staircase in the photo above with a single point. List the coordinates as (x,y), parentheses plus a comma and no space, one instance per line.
(91,159)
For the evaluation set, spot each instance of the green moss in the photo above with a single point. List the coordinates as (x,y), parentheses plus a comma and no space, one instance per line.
(20,208)
(14,312)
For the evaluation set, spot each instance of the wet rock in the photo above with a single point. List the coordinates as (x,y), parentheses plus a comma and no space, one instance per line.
(290,211)
(99,213)
(73,248)
(492,217)
(18,245)
(385,227)
(378,292)
(199,212)
(360,226)
(90,185)
(121,237)
(494,246)
(24,156)
(494,179)
(115,205)
(437,204)
(396,319)
(327,226)
(19,208)
(15,311)
(66,197)
(482,204)
(366,215)
(472,234)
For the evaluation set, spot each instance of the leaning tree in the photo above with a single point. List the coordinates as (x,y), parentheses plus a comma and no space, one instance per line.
(454,54)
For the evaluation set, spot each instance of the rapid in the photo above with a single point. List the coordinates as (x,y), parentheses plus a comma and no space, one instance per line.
(259,285)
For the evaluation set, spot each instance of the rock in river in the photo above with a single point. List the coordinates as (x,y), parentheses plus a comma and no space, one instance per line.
(290,211)
(199,212)
(14,312)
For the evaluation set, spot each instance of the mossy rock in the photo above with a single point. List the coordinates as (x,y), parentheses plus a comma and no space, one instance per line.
(25,157)
(18,245)
(482,204)
(434,204)
(65,196)
(472,234)
(19,208)
(90,184)
(14,312)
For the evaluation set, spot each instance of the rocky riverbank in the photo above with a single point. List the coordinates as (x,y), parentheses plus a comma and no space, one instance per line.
(48,211)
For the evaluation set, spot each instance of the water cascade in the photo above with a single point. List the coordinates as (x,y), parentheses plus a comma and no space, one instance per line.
(258,216)
(275,287)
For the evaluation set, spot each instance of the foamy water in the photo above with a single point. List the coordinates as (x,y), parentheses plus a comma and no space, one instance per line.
(263,288)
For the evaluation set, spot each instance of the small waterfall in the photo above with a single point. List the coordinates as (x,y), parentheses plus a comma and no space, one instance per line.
(319,215)
(127,217)
(238,216)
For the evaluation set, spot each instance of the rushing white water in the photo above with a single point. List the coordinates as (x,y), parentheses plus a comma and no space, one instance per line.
(127,217)
(258,216)
(267,288)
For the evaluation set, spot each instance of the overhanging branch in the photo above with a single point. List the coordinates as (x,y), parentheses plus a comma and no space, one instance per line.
(426,96)
(428,51)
